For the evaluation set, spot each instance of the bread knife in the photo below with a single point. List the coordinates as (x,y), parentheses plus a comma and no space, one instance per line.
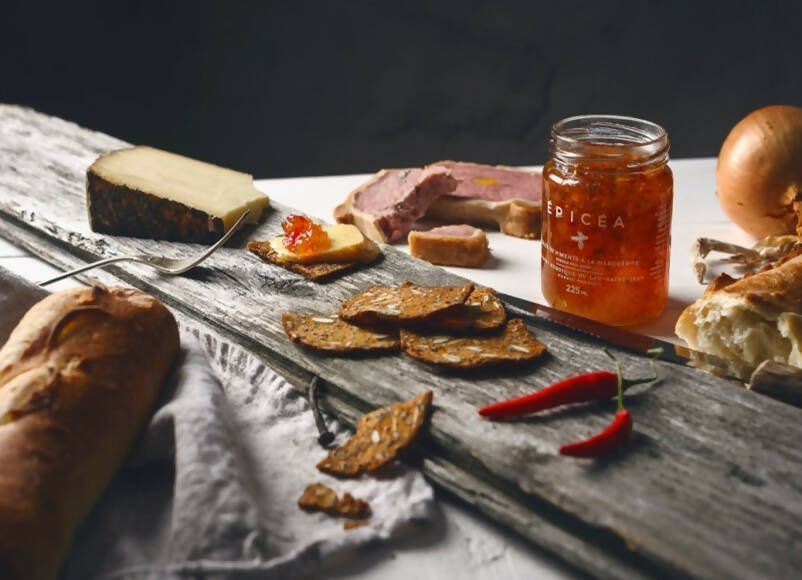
(790,378)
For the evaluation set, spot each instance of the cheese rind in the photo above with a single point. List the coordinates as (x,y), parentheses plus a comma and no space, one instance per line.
(149,193)
(347,245)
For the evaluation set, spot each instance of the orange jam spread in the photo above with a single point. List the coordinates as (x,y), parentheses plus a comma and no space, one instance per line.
(303,236)
(606,238)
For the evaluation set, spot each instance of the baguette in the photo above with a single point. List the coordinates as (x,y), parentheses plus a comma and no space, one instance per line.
(78,377)
(756,318)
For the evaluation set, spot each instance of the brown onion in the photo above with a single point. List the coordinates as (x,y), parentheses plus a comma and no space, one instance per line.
(759,174)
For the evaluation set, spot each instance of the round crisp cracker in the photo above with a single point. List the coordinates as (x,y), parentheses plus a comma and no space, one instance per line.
(409,304)
(482,311)
(514,344)
(332,335)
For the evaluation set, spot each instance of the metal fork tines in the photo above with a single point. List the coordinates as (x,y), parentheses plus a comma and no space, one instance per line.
(170,266)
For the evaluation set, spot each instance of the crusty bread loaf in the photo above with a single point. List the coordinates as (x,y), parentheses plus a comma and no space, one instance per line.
(78,377)
(756,318)
(456,245)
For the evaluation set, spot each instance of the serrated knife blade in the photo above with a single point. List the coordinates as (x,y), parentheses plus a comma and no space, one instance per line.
(629,340)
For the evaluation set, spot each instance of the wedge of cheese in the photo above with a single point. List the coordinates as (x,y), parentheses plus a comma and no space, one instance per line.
(148,193)
(347,245)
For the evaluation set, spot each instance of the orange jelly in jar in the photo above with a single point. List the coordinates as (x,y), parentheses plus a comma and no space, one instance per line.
(607,200)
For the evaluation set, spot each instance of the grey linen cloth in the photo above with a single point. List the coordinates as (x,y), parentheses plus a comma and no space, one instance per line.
(211,488)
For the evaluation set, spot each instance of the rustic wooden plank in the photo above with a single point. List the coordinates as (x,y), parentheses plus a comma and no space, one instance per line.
(779,381)
(569,547)
(709,486)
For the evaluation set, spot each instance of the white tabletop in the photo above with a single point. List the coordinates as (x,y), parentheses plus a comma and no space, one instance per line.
(515,266)
(463,544)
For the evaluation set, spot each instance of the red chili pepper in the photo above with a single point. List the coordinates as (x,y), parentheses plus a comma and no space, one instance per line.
(577,389)
(613,435)
(611,438)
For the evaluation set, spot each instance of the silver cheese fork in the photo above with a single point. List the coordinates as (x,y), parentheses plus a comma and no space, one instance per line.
(170,266)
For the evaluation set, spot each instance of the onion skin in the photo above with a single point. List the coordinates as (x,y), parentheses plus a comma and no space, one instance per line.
(759,173)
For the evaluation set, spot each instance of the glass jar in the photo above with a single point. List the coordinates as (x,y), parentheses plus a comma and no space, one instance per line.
(607,195)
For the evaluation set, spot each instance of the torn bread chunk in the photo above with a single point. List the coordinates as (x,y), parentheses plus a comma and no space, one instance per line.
(380,436)
(455,245)
(408,305)
(514,345)
(332,335)
(386,207)
(148,193)
(314,272)
(507,198)
(756,318)
(482,311)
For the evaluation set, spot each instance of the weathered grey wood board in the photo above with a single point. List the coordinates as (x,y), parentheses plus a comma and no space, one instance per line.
(709,486)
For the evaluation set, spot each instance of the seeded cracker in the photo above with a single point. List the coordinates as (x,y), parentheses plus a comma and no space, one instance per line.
(351,524)
(318,497)
(332,335)
(314,272)
(351,507)
(379,436)
(408,305)
(515,344)
(482,311)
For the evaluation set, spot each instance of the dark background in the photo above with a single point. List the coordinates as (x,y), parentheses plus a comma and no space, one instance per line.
(312,88)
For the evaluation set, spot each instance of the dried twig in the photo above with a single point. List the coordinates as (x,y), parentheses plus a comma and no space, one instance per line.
(326,436)
(765,251)
(703,246)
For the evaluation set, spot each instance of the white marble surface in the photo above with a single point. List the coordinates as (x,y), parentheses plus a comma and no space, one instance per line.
(463,544)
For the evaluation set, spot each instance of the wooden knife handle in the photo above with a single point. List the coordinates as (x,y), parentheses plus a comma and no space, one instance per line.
(778,381)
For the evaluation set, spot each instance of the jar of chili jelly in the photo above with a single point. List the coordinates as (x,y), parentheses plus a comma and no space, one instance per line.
(606,236)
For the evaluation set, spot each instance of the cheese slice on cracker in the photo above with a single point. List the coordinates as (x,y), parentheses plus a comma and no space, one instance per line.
(347,245)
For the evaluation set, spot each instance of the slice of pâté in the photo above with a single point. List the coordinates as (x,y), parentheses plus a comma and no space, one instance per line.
(319,497)
(514,344)
(332,335)
(379,436)
(409,304)
(314,272)
(482,311)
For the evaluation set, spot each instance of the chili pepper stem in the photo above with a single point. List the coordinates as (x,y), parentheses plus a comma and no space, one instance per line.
(620,379)
(655,352)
